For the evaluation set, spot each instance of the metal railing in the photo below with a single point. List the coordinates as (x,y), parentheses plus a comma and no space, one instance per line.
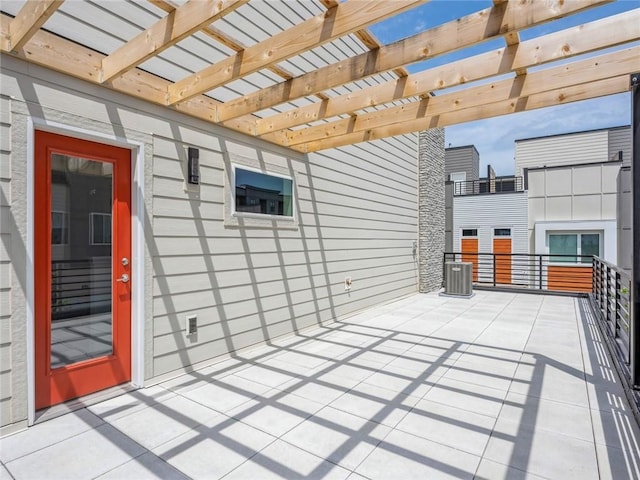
(549,273)
(485,186)
(611,300)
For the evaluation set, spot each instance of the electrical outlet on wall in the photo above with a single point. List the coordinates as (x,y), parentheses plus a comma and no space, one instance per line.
(347,283)
(191,325)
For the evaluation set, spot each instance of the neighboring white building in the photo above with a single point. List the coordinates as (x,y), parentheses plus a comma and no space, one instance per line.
(575,198)
(572,180)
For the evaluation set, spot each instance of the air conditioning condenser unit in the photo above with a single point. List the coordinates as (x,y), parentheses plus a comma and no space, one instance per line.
(457,278)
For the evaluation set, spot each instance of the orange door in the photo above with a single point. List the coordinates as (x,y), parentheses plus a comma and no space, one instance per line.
(82,267)
(470,254)
(502,247)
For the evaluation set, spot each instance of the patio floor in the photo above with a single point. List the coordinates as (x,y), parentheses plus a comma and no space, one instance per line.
(502,385)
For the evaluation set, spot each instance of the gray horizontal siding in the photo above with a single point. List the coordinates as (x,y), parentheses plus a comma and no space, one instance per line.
(462,159)
(357,216)
(620,140)
(575,148)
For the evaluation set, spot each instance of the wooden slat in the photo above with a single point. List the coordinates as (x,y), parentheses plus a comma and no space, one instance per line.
(80,62)
(30,18)
(608,32)
(336,22)
(466,31)
(177,25)
(584,71)
(610,86)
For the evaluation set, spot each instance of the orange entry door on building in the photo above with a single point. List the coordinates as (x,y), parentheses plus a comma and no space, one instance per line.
(82,285)
(469,249)
(502,252)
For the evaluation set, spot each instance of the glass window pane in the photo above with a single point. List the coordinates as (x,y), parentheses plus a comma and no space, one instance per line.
(502,232)
(563,244)
(81,276)
(470,232)
(263,194)
(589,245)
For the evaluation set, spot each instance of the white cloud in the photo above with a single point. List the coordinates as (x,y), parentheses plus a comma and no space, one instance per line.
(494,138)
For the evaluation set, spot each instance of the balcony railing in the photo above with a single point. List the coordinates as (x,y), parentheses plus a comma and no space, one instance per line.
(549,273)
(484,186)
(611,300)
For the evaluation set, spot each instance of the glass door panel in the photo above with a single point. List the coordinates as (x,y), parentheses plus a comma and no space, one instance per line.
(81,257)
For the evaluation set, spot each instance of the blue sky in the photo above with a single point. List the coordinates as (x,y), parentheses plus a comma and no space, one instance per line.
(494,138)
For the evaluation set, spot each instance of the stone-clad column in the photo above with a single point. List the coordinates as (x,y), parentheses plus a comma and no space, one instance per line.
(431,208)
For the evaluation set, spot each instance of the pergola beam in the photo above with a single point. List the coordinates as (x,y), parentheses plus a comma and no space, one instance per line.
(574,93)
(334,23)
(169,30)
(28,21)
(464,32)
(514,91)
(604,33)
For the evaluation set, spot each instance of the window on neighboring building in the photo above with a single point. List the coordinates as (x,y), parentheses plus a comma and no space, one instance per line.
(100,228)
(469,232)
(262,193)
(501,232)
(59,228)
(570,245)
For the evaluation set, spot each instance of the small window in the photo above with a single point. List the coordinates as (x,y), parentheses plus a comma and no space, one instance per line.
(59,228)
(262,193)
(570,245)
(100,228)
(501,232)
(470,232)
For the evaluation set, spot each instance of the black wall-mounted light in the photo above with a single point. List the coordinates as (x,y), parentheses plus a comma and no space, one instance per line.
(193,166)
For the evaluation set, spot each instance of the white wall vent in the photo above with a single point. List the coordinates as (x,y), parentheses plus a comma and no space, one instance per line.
(457,278)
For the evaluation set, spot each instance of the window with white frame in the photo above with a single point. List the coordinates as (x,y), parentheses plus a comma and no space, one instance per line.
(570,245)
(100,228)
(262,193)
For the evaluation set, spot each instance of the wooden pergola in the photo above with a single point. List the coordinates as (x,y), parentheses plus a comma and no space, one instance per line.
(405,103)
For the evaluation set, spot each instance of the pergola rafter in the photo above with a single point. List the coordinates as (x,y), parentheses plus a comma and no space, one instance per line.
(404,102)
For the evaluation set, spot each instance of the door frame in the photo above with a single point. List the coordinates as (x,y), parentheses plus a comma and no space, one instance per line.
(137,247)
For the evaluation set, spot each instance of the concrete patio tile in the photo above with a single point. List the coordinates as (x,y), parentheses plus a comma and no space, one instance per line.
(323,390)
(460,429)
(467,396)
(376,404)
(489,470)
(618,463)
(337,436)
(146,466)
(482,373)
(348,371)
(82,456)
(401,380)
(226,393)
(282,460)
(551,380)
(616,428)
(547,415)
(404,456)
(4,473)
(213,449)
(278,413)
(46,434)
(542,453)
(301,358)
(164,421)
(270,377)
(130,402)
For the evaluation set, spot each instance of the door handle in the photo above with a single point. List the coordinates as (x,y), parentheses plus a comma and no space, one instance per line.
(124,278)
